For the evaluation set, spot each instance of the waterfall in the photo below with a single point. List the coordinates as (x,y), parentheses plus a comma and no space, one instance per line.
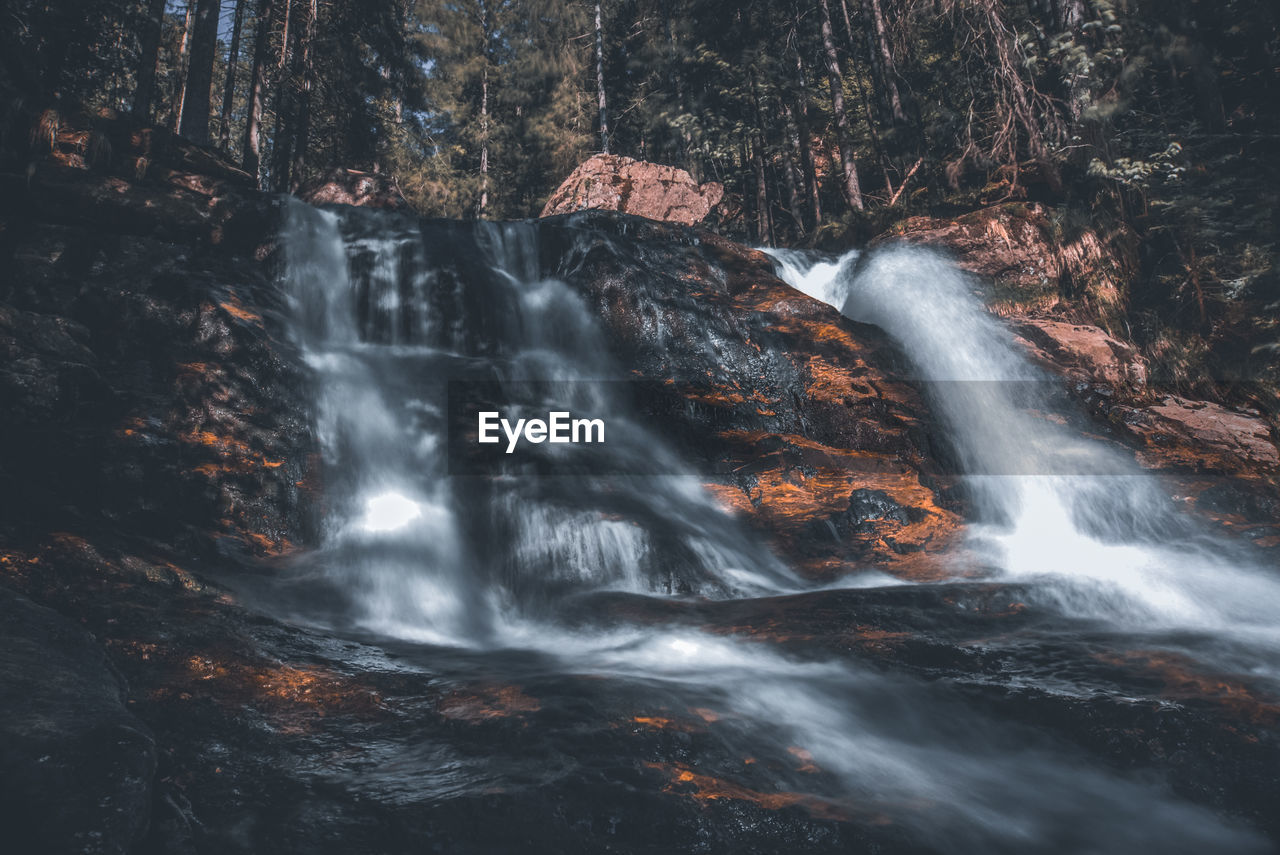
(1051,505)
(388,311)
(387,319)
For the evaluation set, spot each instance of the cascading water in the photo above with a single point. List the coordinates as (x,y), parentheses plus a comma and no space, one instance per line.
(1050,502)
(387,314)
(386,327)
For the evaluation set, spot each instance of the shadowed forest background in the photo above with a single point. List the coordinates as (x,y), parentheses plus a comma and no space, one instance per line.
(828,121)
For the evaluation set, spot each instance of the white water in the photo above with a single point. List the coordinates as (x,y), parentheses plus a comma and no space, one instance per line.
(417,553)
(369,304)
(1051,503)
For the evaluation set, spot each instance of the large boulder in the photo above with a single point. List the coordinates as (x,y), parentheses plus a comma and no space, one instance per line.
(1202,436)
(611,183)
(1084,352)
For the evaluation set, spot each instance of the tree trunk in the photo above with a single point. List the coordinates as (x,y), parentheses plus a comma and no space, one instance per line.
(282,139)
(804,141)
(886,61)
(284,38)
(1069,14)
(848,22)
(303,129)
(257,88)
(604,112)
(799,171)
(764,222)
(145,92)
(485,34)
(229,88)
(183,64)
(204,43)
(852,192)
(484,142)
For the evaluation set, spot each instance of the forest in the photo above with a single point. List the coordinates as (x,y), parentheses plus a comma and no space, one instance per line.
(826,120)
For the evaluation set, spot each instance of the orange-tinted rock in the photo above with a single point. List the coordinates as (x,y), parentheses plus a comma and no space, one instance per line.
(611,183)
(1084,351)
(352,187)
(1202,435)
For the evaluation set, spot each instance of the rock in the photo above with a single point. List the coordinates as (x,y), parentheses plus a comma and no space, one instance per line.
(1034,264)
(116,144)
(75,765)
(211,213)
(792,407)
(352,187)
(46,372)
(142,369)
(1084,352)
(1202,436)
(611,183)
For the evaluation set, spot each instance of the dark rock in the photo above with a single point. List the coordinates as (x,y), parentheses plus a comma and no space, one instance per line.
(76,766)
(792,403)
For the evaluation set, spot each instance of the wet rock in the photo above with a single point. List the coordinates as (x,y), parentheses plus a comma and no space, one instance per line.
(612,183)
(47,373)
(76,766)
(352,187)
(789,405)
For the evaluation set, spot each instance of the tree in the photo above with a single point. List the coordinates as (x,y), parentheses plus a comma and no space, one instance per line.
(229,85)
(852,191)
(199,83)
(144,92)
(252,146)
(600,90)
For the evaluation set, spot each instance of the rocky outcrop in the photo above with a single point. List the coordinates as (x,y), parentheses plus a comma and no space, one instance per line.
(1084,352)
(144,372)
(611,183)
(355,188)
(1036,261)
(1202,436)
(110,143)
(798,412)
(77,765)
(1172,432)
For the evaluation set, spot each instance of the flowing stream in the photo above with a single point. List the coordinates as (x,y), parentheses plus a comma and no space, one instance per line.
(519,574)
